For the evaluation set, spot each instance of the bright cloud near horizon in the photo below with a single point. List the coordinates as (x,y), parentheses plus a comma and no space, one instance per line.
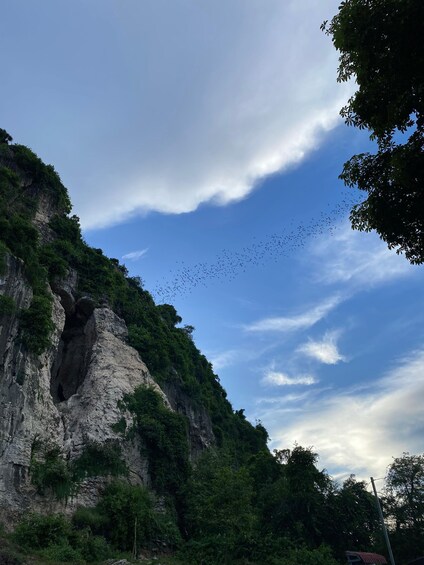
(367,427)
(210,133)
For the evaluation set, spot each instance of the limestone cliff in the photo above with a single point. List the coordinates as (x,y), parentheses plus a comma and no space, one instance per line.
(70,394)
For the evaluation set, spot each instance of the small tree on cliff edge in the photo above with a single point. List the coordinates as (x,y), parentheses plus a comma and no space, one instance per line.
(381,47)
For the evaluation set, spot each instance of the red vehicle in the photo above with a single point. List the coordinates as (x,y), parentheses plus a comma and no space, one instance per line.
(359,557)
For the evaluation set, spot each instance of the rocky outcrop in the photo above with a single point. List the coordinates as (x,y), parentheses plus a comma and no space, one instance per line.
(200,426)
(69,396)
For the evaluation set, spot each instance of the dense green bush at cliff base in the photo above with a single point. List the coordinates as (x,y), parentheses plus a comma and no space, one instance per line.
(53,538)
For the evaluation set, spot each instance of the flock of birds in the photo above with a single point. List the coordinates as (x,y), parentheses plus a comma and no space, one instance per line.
(231,263)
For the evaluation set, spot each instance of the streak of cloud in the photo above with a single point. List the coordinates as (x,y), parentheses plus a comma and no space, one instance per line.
(360,260)
(275,378)
(135,255)
(324,351)
(295,322)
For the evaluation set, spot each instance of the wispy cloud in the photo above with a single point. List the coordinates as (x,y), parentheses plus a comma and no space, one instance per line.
(135,255)
(275,378)
(325,350)
(300,321)
(224,359)
(356,259)
(357,431)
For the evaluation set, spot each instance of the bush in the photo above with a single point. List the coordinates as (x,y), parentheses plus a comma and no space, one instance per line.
(165,439)
(3,251)
(5,137)
(38,532)
(90,518)
(52,474)
(9,557)
(36,324)
(305,556)
(130,513)
(62,552)
(7,305)
(94,548)
(99,460)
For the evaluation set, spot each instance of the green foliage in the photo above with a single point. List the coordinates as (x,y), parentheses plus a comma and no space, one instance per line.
(51,473)
(3,251)
(164,437)
(120,426)
(36,324)
(7,305)
(90,518)
(44,176)
(55,539)
(62,552)
(99,460)
(5,137)
(219,500)
(130,515)
(38,532)
(305,556)
(380,47)
(404,504)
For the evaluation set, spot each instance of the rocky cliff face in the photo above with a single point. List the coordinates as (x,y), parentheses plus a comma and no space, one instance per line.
(69,396)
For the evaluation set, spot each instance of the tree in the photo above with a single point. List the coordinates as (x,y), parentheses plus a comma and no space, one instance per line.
(380,45)
(404,504)
(405,491)
(351,519)
(5,137)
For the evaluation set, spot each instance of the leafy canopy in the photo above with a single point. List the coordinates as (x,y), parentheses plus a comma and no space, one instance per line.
(380,45)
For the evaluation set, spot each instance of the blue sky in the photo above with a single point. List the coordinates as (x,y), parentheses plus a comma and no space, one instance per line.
(201,145)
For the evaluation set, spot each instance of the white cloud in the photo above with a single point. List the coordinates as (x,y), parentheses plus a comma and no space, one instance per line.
(179,103)
(135,255)
(276,378)
(296,322)
(357,259)
(358,431)
(224,359)
(325,351)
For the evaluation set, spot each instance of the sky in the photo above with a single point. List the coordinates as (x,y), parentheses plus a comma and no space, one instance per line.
(201,144)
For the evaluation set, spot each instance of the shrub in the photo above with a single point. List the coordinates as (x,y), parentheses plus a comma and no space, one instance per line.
(94,548)
(305,556)
(52,474)
(36,324)
(7,305)
(3,251)
(62,552)
(99,460)
(130,514)
(164,435)
(90,518)
(5,137)
(38,532)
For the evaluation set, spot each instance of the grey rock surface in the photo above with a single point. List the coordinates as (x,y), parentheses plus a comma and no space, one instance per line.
(69,396)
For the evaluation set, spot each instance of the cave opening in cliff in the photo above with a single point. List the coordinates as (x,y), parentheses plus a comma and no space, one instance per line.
(73,355)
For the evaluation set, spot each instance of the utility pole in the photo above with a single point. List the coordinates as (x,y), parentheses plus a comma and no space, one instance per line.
(383,525)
